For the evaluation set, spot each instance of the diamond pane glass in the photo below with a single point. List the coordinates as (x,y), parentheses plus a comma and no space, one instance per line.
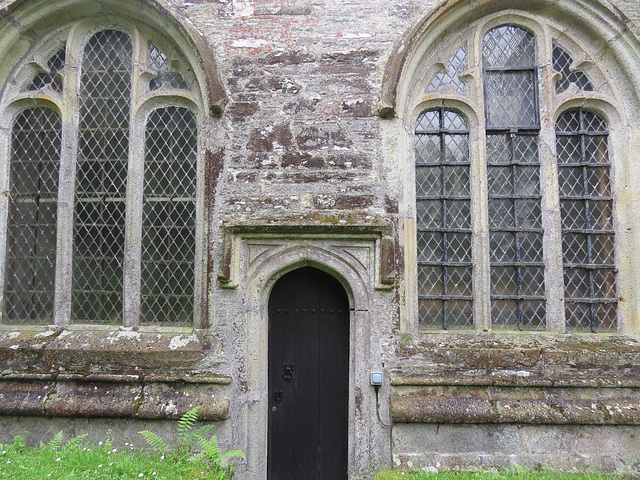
(510,85)
(596,149)
(168,224)
(569,122)
(99,224)
(459,314)
(458,247)
(429,122)
(508,46)
(459,281)
(578,316)
(431,313)
(592,123)
(586,208)
(515,236)
(456,64)
(159,62)
(430,278)
(443,217)
(428,181)
(456,148)
(50,78)
(32,217)
(428,149)
(430,246)
(562,64)
(429,213)
(510,99)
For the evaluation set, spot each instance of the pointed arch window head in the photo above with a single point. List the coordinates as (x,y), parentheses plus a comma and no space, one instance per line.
(481,259)
(508,46)
(510,78)
(126,251)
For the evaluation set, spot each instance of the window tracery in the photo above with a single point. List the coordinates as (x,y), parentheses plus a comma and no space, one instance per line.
(113,212)
(511,267)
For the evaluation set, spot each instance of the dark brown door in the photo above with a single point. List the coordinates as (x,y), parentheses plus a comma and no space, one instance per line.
(308,377)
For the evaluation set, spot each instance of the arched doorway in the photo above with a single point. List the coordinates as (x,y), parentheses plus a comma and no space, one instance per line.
(308,377)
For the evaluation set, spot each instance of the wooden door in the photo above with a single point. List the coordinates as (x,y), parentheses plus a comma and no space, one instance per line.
(308,377)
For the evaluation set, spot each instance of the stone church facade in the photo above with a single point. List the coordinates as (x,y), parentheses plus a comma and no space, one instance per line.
(462,173)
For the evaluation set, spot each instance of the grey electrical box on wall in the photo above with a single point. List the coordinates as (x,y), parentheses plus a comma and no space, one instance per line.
(377,378)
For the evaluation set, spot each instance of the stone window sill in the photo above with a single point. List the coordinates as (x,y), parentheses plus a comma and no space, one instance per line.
(108,372)
(100,350)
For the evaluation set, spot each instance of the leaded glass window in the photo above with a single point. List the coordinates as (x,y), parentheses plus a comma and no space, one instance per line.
(455,65)
(493,248)
(513,178)
(515,226)
(168,218)
(106,215)
(31,230)
(562,63)
(99,224)
(443,204)
(510,78)
(586,205)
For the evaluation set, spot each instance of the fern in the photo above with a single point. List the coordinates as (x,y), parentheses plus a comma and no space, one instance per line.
(200,440)
(74,443)
(211,454)
(155,441)
(192,438)
(56,442)
(188,420)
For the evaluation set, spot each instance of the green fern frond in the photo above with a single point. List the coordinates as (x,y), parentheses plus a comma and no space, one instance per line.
(74,443)
(203,431)
(231,454)
(210,451)
(56,442)
(155,441)
(193,438)
(187,421)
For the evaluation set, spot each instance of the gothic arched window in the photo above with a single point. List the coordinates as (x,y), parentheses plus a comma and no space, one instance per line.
(103,184)
(502,239)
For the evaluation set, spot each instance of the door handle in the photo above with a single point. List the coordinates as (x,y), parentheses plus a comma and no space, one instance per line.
(277,396)
(287,370)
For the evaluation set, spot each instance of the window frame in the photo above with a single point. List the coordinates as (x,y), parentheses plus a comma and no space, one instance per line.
(551,105)
(144,101)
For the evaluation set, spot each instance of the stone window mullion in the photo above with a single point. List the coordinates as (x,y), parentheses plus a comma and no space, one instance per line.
(135,185)
(66,193)
(480,215)
(550,199)
(135,181)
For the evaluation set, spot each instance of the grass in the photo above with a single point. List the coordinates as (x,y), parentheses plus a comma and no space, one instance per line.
(95,461)
(196,456)
(518,473)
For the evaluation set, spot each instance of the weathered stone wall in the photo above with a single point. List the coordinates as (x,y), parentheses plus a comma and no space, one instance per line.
(302,170)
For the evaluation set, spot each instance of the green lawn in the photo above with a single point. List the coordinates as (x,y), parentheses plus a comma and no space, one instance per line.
(195,456)
(94,462)
(516,474)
